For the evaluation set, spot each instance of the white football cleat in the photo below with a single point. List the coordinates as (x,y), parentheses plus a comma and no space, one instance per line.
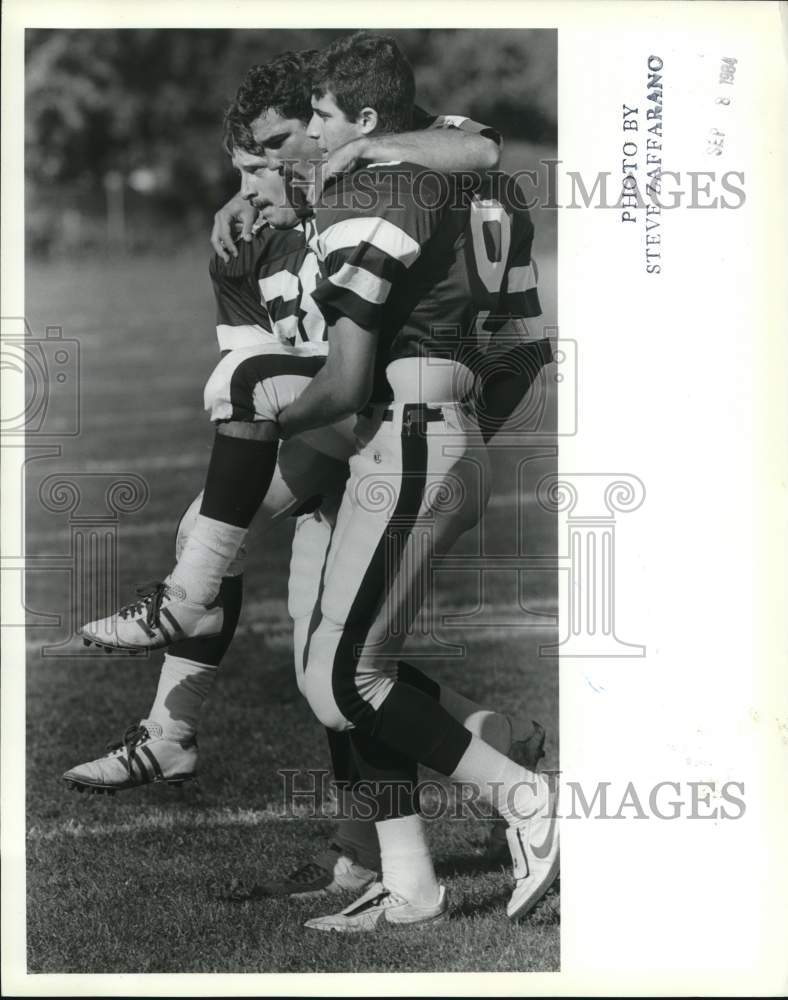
(142,757)
(533,843)
(378,907)
(160,617)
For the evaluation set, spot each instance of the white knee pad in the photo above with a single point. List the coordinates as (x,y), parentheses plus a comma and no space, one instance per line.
(317,691)
(310,544)
(186,524)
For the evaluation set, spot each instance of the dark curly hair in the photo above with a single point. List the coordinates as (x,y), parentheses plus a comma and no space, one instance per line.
(284,85)
(365,70)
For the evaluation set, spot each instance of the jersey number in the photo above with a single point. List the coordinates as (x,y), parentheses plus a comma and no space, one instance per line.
(284,288)
(491,234)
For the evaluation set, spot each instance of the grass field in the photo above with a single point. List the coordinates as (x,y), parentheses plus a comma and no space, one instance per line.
(135,883)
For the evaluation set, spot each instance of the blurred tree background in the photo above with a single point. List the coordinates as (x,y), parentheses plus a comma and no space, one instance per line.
(123,127)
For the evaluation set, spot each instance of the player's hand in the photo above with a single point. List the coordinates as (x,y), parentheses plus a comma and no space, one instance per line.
(237,210)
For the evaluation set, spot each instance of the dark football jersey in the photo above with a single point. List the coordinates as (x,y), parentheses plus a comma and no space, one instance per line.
(286,278)
(410,255)
(265,293)
(241,318)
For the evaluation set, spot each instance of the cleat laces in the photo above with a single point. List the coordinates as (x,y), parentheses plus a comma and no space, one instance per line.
(151,596)
(132,738)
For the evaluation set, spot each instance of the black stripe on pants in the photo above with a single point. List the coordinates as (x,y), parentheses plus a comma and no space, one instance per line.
(251,371)
(409,722)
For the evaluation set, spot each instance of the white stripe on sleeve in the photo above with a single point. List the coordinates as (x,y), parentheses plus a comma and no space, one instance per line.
(363,283)
(454,121)
(521,279)
(379,233)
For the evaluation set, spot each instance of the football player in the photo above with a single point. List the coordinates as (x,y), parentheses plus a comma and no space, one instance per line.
(249,386)
(162,746)
(394,276)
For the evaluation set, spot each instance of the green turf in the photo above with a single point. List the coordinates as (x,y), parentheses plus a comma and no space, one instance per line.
(135,883)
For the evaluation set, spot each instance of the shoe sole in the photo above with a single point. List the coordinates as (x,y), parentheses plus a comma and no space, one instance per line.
(139,650)
(85,786)
(133,650)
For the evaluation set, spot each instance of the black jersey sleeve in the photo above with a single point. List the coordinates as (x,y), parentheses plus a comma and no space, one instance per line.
(242,319)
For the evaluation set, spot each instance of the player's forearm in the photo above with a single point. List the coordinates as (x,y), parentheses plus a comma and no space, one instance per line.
(324,401)
(446,150)
(341,387)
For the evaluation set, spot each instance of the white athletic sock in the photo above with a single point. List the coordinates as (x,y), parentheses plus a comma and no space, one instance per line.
(183,687)
(206,557)
(357,837)
(492,727)
(406,861)
(510,787)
